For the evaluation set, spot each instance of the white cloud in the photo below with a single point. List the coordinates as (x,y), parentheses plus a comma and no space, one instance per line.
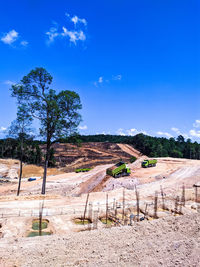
(104,132)
(120,131)
(75,33)
(130,132)
(76,20)
(178,132)
(2,129)
(10,37)
(8,82)
(100,79)
(164,134)
(117,77)
(52,34)
(84,127)
(196,124)
(74,36)
(24,43)
(195,133)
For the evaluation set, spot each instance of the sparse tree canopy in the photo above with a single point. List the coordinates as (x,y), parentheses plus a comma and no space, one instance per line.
(20,129)
(57,112)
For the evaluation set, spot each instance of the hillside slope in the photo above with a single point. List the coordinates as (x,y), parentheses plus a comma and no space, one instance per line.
(70,157)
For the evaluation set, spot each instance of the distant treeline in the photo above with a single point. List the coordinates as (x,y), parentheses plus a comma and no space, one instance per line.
(148,145)
(32,152)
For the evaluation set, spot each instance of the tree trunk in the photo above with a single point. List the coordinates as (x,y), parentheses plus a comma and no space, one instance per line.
(45,168)
(20,172)
(44,176)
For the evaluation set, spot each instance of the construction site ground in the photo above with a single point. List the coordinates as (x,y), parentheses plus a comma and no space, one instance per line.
(172,238)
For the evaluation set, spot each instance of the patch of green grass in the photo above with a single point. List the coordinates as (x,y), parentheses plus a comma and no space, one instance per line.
(80,222)
(109,221)
(33,233)
(83,170)
(35,224)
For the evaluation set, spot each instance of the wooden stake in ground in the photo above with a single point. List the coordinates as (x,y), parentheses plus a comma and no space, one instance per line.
(183,196)
(123,211)
(163,197)
(155,205)
(137,203)
(196,192)
(116,210)
(176,205)
(114,204)
(85,208)
(90,216)
(145,212)
(40,218)
(95,223)
(106,209)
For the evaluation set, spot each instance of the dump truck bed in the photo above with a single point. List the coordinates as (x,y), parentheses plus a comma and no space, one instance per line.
(117,169)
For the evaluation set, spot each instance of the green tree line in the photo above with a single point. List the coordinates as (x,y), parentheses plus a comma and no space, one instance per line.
(148,145)
(10,148)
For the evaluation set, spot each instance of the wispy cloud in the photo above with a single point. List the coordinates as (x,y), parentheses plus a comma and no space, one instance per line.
(52,34)
(130,132)
(196,124)
(76,20)
(117,77)
(3,129)
(83,128)
(195,133)
(8,82)
(164,134)
(101,80)
(12,38)
(178,132)
(73,34)
(103,132)
(24,43)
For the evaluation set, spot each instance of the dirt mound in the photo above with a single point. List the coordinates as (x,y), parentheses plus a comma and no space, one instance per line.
(32,170)
(172,241)
(9,168)
(130,150)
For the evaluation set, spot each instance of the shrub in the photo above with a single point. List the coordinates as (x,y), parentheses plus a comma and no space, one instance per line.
(132,159)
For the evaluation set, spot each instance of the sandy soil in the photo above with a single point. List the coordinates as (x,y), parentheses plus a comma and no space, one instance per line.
(170,240)
(165,242)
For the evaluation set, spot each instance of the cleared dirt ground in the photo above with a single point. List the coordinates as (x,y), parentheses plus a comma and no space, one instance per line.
(165,242)
(172,239)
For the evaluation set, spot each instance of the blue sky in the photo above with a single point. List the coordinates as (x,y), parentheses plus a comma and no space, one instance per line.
(135,64)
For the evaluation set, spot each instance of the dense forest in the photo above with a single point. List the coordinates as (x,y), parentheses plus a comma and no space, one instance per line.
(148,145)
(32,151)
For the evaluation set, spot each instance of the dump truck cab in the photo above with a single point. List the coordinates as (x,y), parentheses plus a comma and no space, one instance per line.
(145,163)
(149,163)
